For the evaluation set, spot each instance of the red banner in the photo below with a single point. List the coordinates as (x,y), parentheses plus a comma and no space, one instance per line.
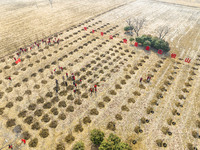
(173,55)
(125,40)
(147,48)
(136,44)
(160,51)
(19,60)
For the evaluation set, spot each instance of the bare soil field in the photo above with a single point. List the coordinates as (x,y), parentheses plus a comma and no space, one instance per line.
(166,110)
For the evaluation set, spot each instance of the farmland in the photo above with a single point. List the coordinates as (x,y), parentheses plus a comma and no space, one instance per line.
(166,110)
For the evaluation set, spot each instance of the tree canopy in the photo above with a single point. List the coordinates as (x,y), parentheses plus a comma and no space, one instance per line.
(155,42)
(96,136)
(78,146)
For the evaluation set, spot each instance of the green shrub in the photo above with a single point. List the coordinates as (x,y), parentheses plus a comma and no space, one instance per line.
(123,146)
(96,136)
(139,40)
(147,43)
(114,138)
(78,146)
(107,145)
(113,142)
(127,28)
(155,42)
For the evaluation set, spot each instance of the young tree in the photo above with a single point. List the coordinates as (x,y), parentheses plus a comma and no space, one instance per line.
(131,40)
(114,138)
(96,136)
(162,31)
(147,43)
(78,146)
(139,40)
(137,25)
(107,145)
(126,28)
(123,146)
(153,41)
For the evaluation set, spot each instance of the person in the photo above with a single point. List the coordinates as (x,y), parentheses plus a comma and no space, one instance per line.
(56,82)
(58,41)
(66,83)
(38,45)
(9,78)
(148,79)
(61,69)
(140,80)
(95,86)
(14,58)
(67,75)
(10,146)
(91,90)
(80,80)
(95,90)
(74,91)
(24,141)
(63,78)
(75,85)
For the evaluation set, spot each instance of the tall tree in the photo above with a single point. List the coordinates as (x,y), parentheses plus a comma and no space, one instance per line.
(163,31)
(137,25)
(51,1)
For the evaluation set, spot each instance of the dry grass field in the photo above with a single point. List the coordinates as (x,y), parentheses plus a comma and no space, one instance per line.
(166,110)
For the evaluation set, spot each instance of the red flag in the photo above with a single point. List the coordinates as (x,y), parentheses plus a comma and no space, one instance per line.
(147,48)
(136,44)
(19,60)
(125,40)
(173,55)
(111,37)
(101,33)
(24,141)
(92,31)
(160,51)
(85,28)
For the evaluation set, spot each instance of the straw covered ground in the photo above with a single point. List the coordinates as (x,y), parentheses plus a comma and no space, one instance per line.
(166,110)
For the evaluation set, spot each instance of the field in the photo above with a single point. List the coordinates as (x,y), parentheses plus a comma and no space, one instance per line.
(165,110)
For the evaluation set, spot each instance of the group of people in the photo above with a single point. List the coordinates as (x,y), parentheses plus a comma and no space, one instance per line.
(74,84)
(148,79)
(11,147)
(23,50)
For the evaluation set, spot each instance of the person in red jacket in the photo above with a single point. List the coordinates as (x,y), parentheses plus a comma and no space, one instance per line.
(140,80)
(91,90)
(10,146)
(24,141)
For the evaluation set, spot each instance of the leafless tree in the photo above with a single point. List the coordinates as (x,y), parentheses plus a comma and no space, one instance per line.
(36,3)
(137,24)
(51,1)
(129,22)
(163,31)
